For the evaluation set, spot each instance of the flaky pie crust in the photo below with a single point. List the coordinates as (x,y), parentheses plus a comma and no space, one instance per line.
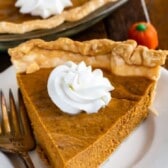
(71,15)
(121,58)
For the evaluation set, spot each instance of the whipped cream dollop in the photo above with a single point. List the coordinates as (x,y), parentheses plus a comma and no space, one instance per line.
(75,88)
(43,8)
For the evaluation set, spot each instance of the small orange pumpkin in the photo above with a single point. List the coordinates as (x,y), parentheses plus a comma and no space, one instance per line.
(145,34)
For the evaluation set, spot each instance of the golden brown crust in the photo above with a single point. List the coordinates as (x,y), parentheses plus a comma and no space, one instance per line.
(71,15)
(122,58)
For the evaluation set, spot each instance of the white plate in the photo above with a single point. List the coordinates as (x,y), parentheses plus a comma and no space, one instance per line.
(146,147)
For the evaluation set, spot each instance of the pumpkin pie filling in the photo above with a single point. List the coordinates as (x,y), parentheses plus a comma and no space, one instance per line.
(85,140)
(10,13)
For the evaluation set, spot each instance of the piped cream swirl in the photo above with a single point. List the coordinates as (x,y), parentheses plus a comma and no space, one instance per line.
(43,8)
(75,88)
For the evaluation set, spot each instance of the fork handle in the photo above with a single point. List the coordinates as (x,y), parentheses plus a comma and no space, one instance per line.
(27,160)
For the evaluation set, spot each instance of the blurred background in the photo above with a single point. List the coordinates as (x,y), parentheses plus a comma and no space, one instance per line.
(158,12)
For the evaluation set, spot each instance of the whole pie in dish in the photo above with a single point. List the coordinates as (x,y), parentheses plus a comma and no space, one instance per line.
(86,140)
(12,21)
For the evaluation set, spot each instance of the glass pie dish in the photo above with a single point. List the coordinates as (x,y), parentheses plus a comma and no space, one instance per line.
(65,29)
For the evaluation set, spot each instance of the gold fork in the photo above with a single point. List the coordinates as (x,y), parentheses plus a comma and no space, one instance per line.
(15,132)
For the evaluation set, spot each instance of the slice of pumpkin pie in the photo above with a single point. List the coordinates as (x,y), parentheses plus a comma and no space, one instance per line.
(84,98)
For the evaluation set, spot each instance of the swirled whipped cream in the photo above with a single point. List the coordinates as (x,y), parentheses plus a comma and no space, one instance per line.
(43,8)
(75,88)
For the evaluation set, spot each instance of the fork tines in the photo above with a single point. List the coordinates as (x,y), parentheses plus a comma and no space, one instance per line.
(5,123)
(10,119)
(13,121)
